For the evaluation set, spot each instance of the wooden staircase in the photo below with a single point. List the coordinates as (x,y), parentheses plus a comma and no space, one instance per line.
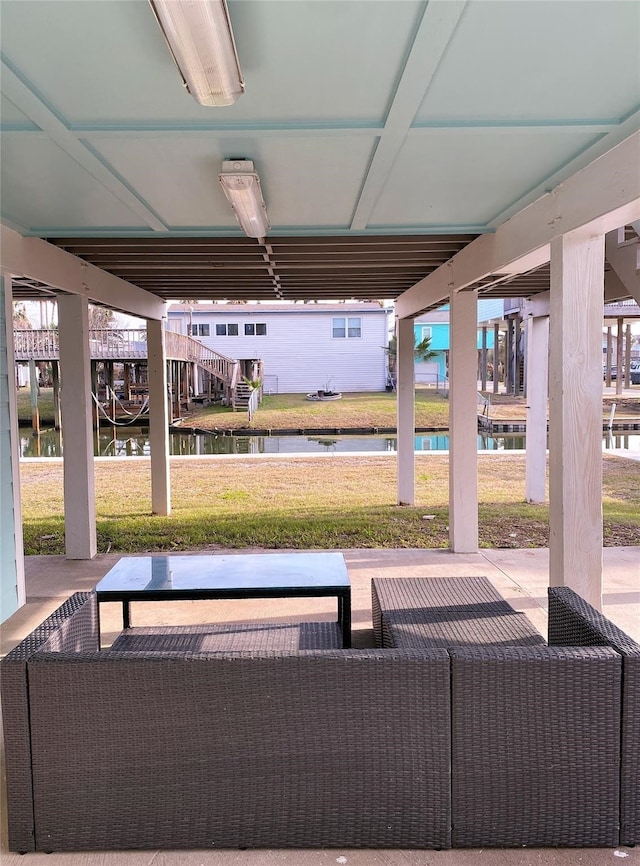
(226,370)
(130,345)
(241,397)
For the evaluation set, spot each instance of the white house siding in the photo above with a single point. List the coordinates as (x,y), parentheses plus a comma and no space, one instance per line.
(428,373)
(490,310)
(299,353)
(22,375)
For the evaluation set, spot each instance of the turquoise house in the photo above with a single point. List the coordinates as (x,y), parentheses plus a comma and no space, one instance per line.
(435,326)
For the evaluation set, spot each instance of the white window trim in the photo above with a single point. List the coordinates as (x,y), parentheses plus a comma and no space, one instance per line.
(226,326)
(346,320)
(255,326)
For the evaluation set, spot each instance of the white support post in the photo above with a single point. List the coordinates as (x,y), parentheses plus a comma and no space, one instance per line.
(77,428)
(158,419)
(607,380)
(12,579)
(619,354)
(406,403)
(575,414)
(463,423)
(537,389)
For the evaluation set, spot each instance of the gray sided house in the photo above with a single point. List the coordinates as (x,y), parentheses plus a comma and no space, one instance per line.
(303,347)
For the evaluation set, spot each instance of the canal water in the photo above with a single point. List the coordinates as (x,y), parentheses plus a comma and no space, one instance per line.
(134,442)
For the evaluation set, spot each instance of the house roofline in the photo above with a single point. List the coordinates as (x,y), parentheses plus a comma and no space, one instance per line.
(250,309)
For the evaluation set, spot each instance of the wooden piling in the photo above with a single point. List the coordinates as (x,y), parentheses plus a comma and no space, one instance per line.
(55,376)
(34,388)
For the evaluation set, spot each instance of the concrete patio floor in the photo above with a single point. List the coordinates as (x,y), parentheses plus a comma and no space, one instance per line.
(520,575)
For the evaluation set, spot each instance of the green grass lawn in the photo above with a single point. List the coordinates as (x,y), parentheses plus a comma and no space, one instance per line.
(45,406)
(289,411)
(294,411)
(338,502)
(308,502)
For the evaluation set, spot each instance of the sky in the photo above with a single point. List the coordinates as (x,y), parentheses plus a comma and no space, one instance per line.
(42,315)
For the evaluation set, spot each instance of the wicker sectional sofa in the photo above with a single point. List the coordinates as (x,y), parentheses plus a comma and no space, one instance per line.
(573,622)
(161,748)
(545,737)
(167,741)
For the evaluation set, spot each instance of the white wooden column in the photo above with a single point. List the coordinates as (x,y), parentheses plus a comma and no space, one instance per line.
(463,423)
(575,414)
(158,419)
(406,405)
(627,357)
(12,583)
(537,381)
(619,355)
(77,428)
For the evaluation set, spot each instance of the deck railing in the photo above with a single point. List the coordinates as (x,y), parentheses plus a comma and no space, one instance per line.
(104,344)
(40,345)
(185,348)
(126,344)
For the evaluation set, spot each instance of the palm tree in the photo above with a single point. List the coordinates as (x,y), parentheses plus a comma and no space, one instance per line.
(422,351)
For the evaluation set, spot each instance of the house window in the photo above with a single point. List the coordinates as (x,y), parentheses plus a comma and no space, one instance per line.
(226,330)
(426,332)
(354,328)
(199,330)
(346,327)
(257,330)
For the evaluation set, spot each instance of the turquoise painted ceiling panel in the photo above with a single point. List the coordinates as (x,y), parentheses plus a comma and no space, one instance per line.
(302,61)
(43,187)
(322,60)
(94,61)
(534,60)
(12,118)
(448,176)
(178,176)
(361,115)
(310,185)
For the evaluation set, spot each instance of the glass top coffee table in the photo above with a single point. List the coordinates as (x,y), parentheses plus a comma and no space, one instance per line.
(219,576)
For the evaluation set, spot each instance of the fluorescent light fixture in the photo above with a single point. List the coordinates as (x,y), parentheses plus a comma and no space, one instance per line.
(241,185)
(199,36)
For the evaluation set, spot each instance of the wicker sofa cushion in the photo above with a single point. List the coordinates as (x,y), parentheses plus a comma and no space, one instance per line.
(442,595)
(229,637)
(72,625)
(536,746)
(267,748)
(574,622)
(425,628)
(168,750)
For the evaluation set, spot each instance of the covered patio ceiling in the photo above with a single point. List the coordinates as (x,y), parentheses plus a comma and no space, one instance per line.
(285,268)
(388,135)
(421,150)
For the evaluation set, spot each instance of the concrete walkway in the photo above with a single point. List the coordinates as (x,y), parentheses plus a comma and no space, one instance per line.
(520,575)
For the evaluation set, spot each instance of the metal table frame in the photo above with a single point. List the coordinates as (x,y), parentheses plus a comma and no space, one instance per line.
(119,585)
